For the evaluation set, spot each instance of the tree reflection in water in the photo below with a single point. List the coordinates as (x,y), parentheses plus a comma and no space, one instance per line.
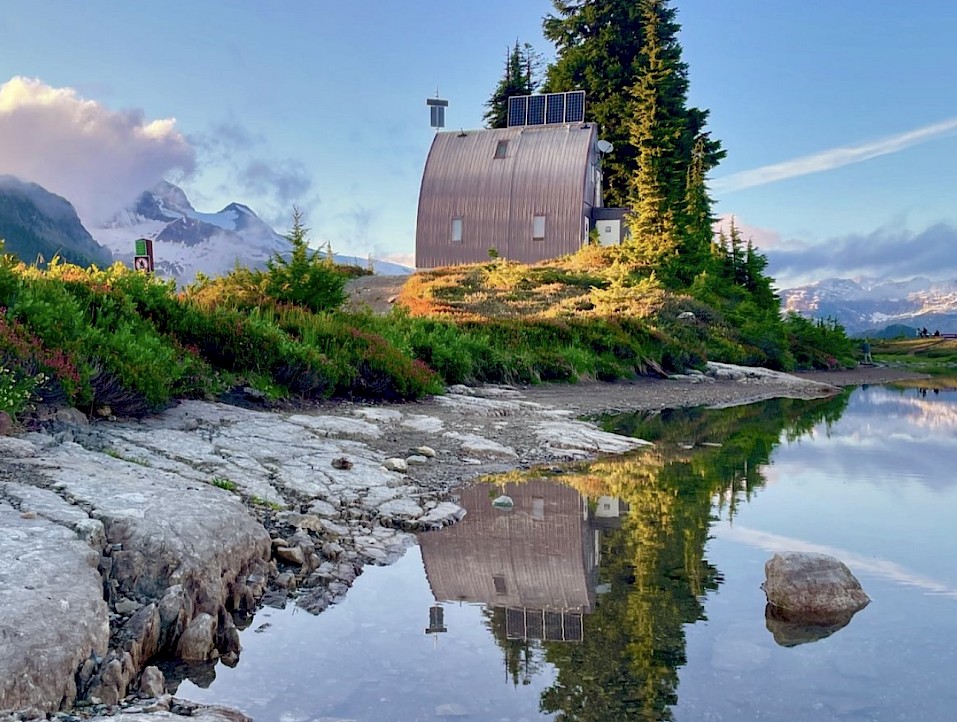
(652,570)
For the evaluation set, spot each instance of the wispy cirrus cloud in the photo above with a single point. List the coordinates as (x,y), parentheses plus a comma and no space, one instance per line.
(833,158)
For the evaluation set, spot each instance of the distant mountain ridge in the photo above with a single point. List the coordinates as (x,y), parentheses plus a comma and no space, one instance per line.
(187,242)
(37,225)
(873,304)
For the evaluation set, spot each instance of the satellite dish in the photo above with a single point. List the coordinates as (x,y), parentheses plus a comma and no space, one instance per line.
(605,147)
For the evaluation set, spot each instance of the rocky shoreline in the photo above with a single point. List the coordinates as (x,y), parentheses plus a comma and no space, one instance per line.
(137,540)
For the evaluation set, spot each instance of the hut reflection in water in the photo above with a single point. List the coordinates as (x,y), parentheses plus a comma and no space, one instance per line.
(537,560)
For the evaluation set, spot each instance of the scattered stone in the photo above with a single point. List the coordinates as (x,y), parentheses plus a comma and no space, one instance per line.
(290,555)
(286,580)
(333,529)
(474,445)
(152,682)
(341,463)
(104,412)
(426,451)
(405,509)
(323,509)
(503,502)
(198,639)
(310,522)
(396,464)
(442,514)
(126,606)
(416,460)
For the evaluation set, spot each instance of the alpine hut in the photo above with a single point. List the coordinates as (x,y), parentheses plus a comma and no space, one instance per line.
(526,192)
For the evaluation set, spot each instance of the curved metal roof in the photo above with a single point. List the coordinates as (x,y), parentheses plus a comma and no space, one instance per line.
(544,172)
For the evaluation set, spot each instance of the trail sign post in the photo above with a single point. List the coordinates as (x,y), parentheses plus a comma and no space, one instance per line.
(143,256)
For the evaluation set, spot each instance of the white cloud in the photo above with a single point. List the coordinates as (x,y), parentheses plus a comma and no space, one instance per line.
(98,159)
(763,238)
(832,158)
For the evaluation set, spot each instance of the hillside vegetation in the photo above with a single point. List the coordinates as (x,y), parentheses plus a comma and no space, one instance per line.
(123,340)
(932,355)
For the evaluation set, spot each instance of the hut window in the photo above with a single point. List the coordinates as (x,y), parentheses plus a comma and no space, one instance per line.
(501,149)
(538,228)
(456,230)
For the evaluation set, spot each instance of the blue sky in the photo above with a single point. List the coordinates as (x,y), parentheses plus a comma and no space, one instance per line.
(322,105)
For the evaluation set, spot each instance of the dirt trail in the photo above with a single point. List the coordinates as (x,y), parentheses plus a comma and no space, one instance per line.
(376,293)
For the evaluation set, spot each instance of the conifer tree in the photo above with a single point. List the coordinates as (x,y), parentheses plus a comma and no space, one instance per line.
(597,44)
(626,56)
(520,78)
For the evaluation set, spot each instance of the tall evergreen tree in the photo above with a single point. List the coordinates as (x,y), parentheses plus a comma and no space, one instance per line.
(597,44)
(520,78)
(657,127)
(626,56)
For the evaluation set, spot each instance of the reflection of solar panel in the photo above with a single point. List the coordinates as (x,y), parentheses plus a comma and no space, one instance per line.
(575,107)
(517,110)
(550,109)
(555,108)
(536,110)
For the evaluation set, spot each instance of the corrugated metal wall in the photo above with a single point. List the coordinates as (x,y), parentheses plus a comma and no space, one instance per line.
(515,558)
(547,171)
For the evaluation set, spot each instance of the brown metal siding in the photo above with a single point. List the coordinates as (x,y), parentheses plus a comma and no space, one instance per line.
(546,172)
(511,558)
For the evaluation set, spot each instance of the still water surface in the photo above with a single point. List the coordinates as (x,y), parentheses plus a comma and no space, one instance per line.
(630,588)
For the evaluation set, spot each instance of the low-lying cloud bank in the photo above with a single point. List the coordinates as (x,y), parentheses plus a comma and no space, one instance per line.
(894,253)
(97,158)
(886,253)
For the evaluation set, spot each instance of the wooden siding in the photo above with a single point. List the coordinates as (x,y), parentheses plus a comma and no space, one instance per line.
(547,171)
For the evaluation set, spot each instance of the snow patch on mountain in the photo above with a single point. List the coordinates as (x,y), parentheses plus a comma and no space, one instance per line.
(187,242)
(871,304)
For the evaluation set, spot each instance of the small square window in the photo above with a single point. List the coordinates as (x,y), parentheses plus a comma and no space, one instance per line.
(538,228)
(501,149)
(456,230)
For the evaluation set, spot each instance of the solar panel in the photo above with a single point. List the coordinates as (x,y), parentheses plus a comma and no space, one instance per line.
(555,108)
(536,110)
(549,109)
(517,110)
(575,107)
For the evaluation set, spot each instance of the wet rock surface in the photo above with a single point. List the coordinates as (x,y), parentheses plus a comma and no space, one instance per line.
(176,527)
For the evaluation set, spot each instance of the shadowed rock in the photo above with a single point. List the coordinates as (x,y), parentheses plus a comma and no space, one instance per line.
(790,632)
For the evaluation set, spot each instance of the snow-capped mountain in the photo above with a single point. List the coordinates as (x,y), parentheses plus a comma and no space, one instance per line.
(872,304)
(187,242)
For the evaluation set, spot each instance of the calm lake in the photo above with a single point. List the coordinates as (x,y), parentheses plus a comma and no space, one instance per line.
(629,588)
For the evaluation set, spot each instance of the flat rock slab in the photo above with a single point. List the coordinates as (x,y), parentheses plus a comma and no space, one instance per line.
(52,613)
(170,530)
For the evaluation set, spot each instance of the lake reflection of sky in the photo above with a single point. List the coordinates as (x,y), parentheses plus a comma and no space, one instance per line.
(876,488)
